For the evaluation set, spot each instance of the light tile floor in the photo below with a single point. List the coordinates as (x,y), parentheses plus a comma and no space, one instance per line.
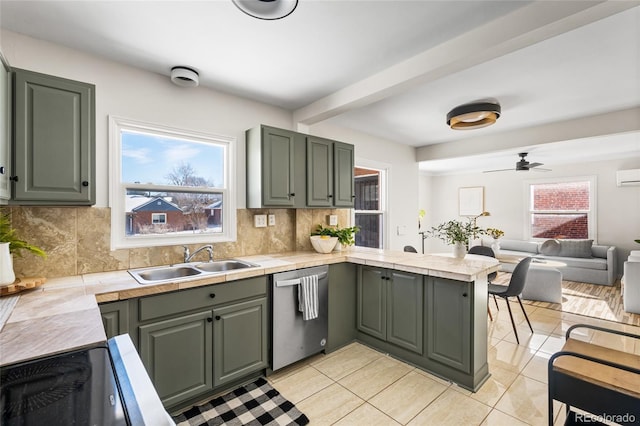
(357,385)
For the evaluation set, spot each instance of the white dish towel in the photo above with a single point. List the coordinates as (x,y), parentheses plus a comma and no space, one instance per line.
(308,297)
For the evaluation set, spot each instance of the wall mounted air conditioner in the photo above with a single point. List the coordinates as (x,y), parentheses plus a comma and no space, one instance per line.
(628,177)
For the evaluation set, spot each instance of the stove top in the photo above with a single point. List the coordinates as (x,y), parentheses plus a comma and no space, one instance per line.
(75,388)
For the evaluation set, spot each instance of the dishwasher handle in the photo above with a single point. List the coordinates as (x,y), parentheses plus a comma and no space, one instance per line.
(296,281)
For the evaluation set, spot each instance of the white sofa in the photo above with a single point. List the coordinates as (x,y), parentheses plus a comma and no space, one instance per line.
(596,267)
(631,284)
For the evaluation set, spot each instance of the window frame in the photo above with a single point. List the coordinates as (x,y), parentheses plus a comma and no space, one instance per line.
(164,218)
(118,189)
(383,212)
(592,219)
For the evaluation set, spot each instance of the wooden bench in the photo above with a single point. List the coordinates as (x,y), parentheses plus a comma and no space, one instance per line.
(601,381)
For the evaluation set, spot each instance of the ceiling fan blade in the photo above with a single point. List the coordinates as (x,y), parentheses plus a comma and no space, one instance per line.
(500,170)
(537,169)
(532,165)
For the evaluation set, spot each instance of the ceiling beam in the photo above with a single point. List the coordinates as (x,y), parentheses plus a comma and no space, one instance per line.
(524,27)
(616,122)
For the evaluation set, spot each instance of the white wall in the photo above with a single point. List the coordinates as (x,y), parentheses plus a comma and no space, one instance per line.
(402,186)
(618,211)
(141,95)
(136,94)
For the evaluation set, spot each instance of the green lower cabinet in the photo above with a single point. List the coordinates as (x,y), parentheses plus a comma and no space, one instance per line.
(390,306)
(404,310)
(449,323)
(372,301)
(239,340)
(115,318)
(178,355)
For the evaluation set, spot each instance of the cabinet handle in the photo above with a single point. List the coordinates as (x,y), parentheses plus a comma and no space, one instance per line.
(293,194)
(85,183)
(217,317)
(464,294)
(13,178)
(209,319)
(353,197)
(1,170)
(330,196)
(212,295)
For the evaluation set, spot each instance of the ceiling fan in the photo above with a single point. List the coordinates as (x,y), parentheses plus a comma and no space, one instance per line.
(523,165)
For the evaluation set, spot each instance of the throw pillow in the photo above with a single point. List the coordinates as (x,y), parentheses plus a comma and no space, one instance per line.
(550,248)
(575,248)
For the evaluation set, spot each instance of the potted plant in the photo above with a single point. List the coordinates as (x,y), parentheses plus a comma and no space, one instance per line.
(456,233)
(10,244)
(346,236)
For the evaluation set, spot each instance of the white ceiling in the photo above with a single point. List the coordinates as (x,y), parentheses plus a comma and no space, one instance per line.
(389,68)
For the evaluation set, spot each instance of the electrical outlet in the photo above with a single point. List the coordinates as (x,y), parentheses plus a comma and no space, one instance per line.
(272,220)
(333,220)
(260,220)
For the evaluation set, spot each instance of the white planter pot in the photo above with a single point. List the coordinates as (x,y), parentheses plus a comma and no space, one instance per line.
(7,276)
(459,250)
(495,246)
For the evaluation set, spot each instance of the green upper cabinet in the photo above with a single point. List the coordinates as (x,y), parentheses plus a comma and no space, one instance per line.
(54,145)
(319,172)
(343,179)
(329,173)
(5,131)
(294,170)
(275,158)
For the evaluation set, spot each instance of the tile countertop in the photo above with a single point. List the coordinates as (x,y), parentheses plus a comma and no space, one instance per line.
(63,314)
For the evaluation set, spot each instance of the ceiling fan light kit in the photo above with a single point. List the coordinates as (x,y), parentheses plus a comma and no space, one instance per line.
(184,76)
(267,9)
(473,116)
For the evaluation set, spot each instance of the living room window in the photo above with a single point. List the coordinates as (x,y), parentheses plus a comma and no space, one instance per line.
(169,186)
(562,209)
(369,207)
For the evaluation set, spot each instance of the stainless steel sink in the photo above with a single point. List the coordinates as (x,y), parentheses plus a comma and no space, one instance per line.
(187,271)
(223,265)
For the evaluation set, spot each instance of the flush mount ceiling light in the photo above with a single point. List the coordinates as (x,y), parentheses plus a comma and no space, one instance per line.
(184,76)
(473,116)
(266,9)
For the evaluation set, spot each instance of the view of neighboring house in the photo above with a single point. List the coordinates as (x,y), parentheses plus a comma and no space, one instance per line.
(154,215)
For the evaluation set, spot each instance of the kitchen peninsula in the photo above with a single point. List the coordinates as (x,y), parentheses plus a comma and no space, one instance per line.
(450,310)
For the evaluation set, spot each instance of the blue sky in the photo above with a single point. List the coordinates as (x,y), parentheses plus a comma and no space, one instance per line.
(149,158)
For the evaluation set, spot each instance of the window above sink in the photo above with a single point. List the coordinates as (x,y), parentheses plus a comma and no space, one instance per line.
(170,186)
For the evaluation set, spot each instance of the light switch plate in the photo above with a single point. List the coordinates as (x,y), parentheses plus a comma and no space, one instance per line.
(260,220)
(272,220)
(332,219)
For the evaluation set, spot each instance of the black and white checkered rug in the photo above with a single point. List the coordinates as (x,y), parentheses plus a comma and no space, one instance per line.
(254,404)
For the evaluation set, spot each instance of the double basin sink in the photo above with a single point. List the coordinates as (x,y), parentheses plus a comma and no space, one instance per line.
(186,271)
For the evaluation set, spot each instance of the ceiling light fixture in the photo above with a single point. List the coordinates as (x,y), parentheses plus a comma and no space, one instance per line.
(473,116)
(267,9)
(184,76)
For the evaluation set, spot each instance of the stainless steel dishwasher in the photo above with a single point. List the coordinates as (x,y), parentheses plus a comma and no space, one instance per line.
(294,338)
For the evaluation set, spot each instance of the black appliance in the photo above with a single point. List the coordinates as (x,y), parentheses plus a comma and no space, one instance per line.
(74,388)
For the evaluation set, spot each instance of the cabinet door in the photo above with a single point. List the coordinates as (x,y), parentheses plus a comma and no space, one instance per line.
(5,133)
(178,356)
(449,322)
(319,172)
(278,186)
(240,340)
(404,310)
(343,160)
(54,140)
(372,313)
(115,318)
(342,305)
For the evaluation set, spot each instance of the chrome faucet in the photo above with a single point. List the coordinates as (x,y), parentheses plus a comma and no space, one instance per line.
(188,255)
